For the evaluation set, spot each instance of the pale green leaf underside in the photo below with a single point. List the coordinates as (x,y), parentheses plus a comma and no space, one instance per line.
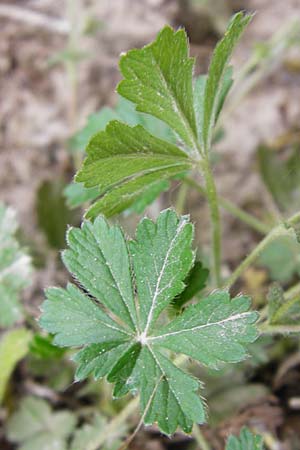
(118,334)
(15,269)
(158,79)
(245,441)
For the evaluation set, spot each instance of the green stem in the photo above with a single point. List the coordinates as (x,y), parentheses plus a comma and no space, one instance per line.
(200,439)
(181,197)
(278,329)
(212,198)
(114,425)
(293,291)
(280,230)
(237,212)
(284,309)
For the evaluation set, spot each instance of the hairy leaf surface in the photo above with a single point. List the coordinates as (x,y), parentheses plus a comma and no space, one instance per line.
(158,79)
(115,322)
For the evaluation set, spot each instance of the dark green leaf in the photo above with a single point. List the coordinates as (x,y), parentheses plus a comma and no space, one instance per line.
(53,214)
(195,282)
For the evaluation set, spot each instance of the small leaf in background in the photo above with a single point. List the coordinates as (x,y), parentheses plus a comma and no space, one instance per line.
(246,441)
(124,111)
(282,259)
(42,347)
(149,195)
(219,76)
(35,427)
(128,347)
(129,159)
(85,436)
(76,194)
(195,282)
(15,269)
(161,84)
(53,214)
(280,171)
(14,345)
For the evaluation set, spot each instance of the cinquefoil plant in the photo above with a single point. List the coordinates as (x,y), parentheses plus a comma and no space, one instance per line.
(117,317)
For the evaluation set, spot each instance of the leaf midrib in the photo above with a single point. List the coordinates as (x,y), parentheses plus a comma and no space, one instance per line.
(198,327)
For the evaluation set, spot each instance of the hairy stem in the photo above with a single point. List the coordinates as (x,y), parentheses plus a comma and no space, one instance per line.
(212,198)
(237,212)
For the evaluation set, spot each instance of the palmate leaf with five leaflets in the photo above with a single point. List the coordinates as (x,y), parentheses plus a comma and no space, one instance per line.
(119,331)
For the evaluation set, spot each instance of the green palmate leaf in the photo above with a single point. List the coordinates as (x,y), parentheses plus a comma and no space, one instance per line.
(128,159)
(195,282)
(14,345)
(246,441)
(34,426)
(158,79)
(15,269)
(218,80)
(119,332)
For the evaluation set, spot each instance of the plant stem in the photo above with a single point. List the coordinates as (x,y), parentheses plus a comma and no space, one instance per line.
(279,230)
(284,308)
(200,439)
(237,212)
(292,292)
(253,256)
(278,329)
(212,198)
(181,197)
(114,424)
